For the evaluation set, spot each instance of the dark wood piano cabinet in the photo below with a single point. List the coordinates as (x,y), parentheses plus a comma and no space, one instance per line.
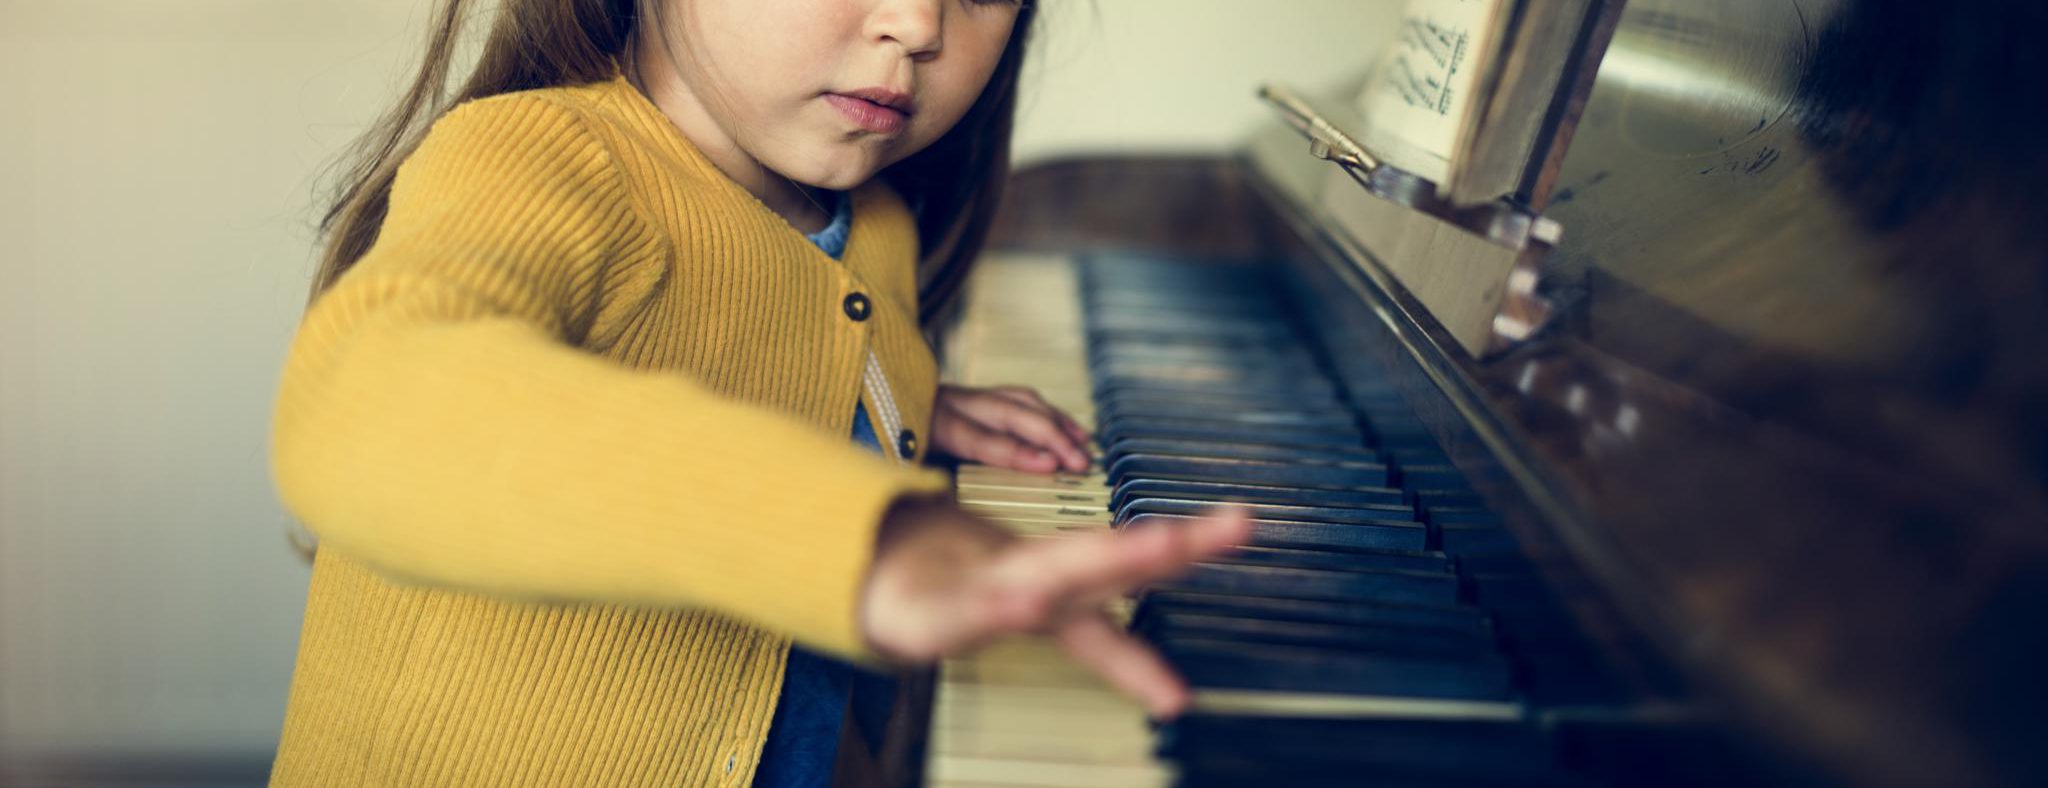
(1793,424)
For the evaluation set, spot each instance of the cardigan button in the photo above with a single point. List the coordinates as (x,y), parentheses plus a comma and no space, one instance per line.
(857,307)
(907,442)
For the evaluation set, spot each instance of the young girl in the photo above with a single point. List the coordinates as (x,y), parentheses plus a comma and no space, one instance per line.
(570,410)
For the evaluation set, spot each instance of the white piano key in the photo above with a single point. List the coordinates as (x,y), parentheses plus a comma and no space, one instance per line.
(1020,713)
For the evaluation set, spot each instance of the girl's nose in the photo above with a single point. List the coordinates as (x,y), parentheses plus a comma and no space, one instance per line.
(917,25)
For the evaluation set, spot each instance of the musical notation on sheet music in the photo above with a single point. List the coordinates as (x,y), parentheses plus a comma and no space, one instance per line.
(1424,86)
(1430,58)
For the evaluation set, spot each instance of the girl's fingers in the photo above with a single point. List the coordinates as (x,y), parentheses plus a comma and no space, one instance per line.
(1031,398)
(967,438)
(1083,571)
(945,583)
(1074,428)
(1128,665)
(1037,427)
(1023,395)
(931,592)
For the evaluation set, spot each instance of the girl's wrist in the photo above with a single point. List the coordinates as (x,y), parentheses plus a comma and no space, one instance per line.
(927,552)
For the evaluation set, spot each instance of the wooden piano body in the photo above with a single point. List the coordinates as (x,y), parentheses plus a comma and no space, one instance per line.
(1784,445)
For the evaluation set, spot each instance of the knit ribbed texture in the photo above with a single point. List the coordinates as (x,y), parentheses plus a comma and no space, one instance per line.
(573,438)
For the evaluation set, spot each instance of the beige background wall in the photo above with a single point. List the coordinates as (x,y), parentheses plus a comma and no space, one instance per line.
(157,172)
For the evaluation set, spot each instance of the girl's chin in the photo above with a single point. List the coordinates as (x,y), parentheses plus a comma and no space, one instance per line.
(837,183)
(836,166)
(837,176)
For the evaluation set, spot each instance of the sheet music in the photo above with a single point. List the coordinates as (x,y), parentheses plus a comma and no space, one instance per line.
(1417,101)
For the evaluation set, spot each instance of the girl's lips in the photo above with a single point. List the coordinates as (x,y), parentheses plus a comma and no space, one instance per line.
(868,115)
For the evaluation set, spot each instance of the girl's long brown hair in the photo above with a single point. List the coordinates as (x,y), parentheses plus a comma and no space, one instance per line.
(954,185)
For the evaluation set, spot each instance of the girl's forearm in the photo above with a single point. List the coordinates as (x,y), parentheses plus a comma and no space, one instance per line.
(481,454)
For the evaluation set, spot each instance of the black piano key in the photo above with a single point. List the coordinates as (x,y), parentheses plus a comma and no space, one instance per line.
(1501,564)
(1218,373)
(1244,420)
(1266,472)
(1108,269)
(1281,355)
(1223,577)
(1251,303)
(1170,295)
(1327,440)
(1288,533)
(1265,349)
(1119,441)
(1386,498)
(1152,273)
(1343,559)
(1180,297)
(1164,274)
(1177,296)
(1110,272)
(1324,396)
(1138,507)
(1419,641)
(1111,391)
(1263,346)
(1330,418)
(1177,309)
(1432,477)
(1141,310)
(1119,367)
(1137,326)
(1269,349)
(1116,448)
(1226,308)
(1417,447)
(1208,664)
(1460,618)
(1244,342)
(1219,379)
(1246,430)
(1464,515)
(1128,264)
(1282,391)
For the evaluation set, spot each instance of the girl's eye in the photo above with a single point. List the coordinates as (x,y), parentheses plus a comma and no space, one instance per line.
(1011,3)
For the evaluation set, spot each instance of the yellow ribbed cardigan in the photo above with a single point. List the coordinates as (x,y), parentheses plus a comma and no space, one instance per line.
(573,439)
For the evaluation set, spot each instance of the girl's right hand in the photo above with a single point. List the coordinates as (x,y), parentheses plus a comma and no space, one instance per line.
(945,582)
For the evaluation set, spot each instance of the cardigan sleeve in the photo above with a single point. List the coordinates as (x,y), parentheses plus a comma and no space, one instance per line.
(436,422)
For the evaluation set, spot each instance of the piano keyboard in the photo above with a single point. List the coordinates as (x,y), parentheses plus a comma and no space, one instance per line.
(1381,623)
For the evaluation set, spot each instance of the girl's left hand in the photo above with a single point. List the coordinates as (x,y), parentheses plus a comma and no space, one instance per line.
(1007,426)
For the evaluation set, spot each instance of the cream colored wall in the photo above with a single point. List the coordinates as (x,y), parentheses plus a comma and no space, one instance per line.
(1181,75)
(157,163)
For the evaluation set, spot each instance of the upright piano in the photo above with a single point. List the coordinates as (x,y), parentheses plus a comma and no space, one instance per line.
(1694,433)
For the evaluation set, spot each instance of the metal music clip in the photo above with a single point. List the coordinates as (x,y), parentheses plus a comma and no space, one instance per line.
(1500,221)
